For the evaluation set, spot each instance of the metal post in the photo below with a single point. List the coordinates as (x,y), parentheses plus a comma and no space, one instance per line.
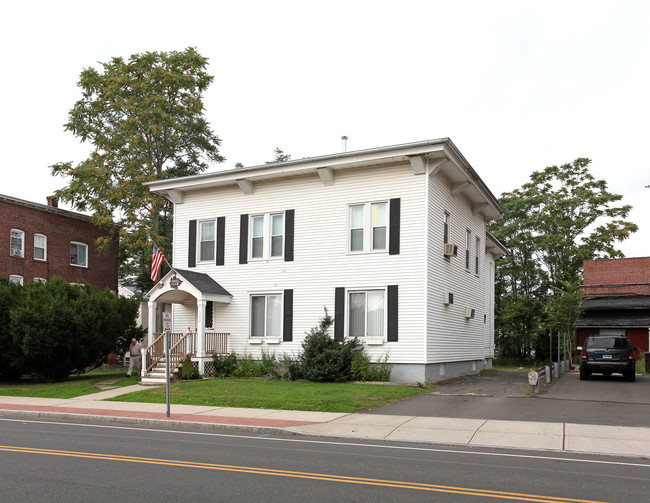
(167,367)
(550,350)
(559,339)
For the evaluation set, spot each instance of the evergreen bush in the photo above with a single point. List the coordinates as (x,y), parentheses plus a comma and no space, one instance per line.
(188,370)
(325,359)
(60,329)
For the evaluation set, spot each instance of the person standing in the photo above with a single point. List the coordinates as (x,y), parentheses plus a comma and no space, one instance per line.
(135,356)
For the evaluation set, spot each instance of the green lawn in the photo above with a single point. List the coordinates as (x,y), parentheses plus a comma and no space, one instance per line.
(287,395)
(75,386)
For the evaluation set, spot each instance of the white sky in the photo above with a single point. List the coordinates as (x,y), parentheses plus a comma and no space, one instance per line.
(516,85)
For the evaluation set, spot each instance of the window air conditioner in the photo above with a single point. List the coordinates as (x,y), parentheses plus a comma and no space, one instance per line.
(469,313)
(451,250)
(447,298)
(17,252)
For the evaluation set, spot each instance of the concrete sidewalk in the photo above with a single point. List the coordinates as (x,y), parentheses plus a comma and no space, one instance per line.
(566,437)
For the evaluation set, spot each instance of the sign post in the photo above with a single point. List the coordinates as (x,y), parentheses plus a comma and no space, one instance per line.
(167,376)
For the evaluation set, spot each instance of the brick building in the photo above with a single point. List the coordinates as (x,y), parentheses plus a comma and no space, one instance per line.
(41,242)
(618,300)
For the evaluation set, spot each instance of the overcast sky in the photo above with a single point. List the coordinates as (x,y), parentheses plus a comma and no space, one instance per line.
(516,85)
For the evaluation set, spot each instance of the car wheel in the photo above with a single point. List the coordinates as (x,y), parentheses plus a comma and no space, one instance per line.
(584,375)
(630,377)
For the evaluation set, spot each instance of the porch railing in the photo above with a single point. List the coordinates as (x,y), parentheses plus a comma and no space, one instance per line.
(216,342)
(183,344)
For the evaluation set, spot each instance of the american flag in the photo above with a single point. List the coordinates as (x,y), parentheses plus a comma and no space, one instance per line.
(156,261)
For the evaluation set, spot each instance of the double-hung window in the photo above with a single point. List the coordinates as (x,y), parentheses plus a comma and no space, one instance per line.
(468,247)
(368,224)
(267,236)
(367,313)
(206,240)
(79,254)
(478,252)
(266,315)
(40,247)
(17,243)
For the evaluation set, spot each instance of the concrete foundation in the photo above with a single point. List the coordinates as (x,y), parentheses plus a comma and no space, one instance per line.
(431,372)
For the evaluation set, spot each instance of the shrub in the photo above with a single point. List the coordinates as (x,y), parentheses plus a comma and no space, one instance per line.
(225,366)
(325,359)
(247,367)
(268,365)
(10,363)
(188,370)
(289,368)
(363,369)
(60,329)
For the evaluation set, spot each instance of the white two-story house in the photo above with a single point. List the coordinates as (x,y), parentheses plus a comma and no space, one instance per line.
(392,241)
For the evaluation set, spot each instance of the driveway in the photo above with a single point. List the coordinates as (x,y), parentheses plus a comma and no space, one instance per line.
(498,395)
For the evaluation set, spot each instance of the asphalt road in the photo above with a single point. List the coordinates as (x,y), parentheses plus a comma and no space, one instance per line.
(46,461)
(499,395)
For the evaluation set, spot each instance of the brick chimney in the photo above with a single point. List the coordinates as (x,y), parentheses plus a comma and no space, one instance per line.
(52,201)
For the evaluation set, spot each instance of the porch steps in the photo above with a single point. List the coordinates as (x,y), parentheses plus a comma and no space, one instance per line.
(156,376)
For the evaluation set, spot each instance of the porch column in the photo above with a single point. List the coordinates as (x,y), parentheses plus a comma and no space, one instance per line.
(151,320)
(200,336)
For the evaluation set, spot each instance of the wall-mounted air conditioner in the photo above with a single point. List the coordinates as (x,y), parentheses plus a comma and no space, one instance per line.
(450,250)
(447,298)
(469,313)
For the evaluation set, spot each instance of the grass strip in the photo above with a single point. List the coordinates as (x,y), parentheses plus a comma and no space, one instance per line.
(78,385)
(283,395)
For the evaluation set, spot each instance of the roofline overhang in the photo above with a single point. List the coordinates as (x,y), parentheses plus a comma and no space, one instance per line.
(425,156)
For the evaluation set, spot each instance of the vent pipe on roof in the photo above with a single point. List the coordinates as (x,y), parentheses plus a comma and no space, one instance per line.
(344,139)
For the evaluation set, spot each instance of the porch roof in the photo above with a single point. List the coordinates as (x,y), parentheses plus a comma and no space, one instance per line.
(199,285)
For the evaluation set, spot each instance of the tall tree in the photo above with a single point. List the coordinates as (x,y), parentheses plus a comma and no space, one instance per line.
(144,118)
(560,218)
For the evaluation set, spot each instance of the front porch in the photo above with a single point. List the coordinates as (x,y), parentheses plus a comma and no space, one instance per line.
(194,294)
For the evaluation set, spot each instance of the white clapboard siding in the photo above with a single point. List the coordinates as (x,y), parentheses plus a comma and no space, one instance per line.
(321,261)
(450,336)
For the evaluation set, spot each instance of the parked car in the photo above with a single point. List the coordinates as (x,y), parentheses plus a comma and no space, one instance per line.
(607,354)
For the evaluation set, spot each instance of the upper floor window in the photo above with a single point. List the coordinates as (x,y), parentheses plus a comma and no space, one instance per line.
(207,240)
(79,254)
(468,247)
(16,278)
(478,253)
(267,235)
(40,247)
(446,223)
(368,224)
(17,243)
(366,310)
(40,280)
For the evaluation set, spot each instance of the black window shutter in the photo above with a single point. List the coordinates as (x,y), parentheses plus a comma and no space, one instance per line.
(289,217)
(243,239)
(393,244)
(221,240)
(287,331)
(339,313)
(191,245)
(208,314)
(392,313)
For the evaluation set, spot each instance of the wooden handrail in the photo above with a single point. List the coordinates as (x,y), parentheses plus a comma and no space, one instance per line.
(183,344)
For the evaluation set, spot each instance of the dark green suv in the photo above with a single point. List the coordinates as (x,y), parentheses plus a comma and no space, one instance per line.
(607,354)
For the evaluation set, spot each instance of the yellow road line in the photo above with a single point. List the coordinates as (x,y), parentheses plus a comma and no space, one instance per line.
(303,475)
